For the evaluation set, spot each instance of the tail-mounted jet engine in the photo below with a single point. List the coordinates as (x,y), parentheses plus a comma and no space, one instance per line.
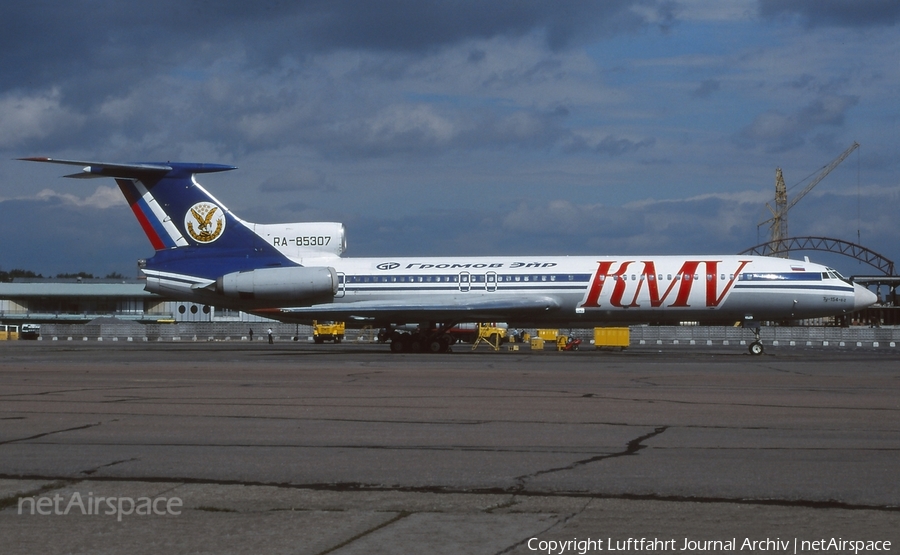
(300,285)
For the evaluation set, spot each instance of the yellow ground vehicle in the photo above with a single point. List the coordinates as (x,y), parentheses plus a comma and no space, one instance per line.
(490,334)
(9,332)
(612,338)
(328,331)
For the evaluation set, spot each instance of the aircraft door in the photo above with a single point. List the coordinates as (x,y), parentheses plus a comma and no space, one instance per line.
(465,281)
(342,279)
(490,281)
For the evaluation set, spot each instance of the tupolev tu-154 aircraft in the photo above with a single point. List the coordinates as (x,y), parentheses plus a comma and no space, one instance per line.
(295,272)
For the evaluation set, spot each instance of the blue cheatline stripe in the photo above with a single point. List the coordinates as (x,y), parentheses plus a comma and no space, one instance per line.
(781,276)
(777,286)
(479,288)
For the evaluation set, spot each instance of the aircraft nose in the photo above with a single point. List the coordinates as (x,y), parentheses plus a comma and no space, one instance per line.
(862,297)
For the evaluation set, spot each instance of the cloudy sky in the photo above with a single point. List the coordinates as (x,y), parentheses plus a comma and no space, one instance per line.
(448,128)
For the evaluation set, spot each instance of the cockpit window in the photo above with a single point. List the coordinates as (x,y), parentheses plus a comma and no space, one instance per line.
(834,274)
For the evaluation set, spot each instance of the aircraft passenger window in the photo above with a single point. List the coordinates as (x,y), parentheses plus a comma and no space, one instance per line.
(731,276)
(696,277)
(669,276)
(193,309)
(722,277)
(710,277)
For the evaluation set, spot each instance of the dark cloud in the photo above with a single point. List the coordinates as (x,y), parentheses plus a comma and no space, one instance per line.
(412,25)
(706,88)
(108,41)
(616,146)
(776,131)
(236,77)
(835,13)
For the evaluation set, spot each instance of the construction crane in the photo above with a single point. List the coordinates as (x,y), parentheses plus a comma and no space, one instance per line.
(778,228)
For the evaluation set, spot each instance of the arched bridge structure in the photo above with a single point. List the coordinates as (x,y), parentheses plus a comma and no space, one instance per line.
(859,252)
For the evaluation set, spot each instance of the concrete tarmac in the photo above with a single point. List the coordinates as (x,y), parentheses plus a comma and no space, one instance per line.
(302,448)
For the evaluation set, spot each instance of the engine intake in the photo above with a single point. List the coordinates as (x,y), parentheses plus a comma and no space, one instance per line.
(298,284)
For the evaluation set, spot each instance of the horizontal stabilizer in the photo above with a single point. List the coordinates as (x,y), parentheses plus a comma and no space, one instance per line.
(105,169)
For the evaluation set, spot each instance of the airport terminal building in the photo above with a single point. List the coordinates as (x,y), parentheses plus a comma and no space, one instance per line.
(82,300)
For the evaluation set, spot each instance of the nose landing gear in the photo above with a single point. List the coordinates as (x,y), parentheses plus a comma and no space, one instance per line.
(756,348)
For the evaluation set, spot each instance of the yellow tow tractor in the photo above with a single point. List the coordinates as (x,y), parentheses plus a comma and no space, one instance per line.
(328,331)
(490,334)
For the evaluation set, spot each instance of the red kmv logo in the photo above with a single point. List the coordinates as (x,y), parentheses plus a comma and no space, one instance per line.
(624,293)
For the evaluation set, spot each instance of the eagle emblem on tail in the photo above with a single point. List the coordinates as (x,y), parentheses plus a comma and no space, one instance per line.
(204,222)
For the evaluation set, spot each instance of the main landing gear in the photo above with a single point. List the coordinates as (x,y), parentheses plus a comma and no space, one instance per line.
(435,340)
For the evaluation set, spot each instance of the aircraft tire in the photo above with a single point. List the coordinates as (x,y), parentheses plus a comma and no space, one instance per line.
(435,346)
(756,348)
(396,346)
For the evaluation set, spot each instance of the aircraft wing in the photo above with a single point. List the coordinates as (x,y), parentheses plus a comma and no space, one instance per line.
(494,309)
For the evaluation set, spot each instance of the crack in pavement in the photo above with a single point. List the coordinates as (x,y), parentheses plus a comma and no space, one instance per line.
(50,433)
(400,516)
(92,389)
(90,471)
(631,448)
(559,522)
(352,487)
(12,500)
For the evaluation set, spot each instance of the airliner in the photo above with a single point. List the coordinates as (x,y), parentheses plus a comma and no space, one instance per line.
(295,272)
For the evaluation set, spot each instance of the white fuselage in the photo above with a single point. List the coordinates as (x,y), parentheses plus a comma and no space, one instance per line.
(578,290)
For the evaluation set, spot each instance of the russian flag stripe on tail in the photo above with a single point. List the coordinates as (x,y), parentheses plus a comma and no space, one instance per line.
(158,227)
